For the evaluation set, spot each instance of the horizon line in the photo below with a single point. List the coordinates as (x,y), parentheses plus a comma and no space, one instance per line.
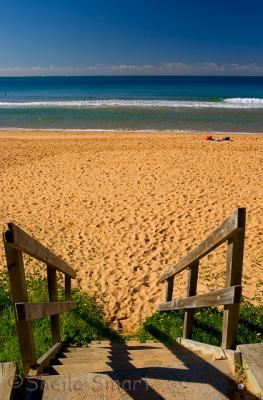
(133,75)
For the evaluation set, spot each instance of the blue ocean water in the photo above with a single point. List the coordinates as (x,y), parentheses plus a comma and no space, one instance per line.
(223,104)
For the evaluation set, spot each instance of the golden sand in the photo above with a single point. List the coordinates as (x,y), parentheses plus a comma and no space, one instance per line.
(123,207)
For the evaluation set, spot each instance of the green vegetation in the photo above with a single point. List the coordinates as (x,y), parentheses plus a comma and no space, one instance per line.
(87,322)
(79,327)
(167,326)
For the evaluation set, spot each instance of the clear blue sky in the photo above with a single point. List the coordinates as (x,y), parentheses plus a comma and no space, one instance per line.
(112,36)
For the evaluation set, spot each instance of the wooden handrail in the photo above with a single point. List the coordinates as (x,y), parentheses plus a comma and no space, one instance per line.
(44,360)
(20,240)
(232,231)
(218,297)
(17,242)
(31,311)
(228,228)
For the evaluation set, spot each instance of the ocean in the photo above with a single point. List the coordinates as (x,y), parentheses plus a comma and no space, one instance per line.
(180,103)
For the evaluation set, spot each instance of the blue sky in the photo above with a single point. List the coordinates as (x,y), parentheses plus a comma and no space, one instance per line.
(58,37)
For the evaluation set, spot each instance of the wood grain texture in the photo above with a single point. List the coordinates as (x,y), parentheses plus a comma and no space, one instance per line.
(235,253)
(44,360)
(53,297)
(252,361)
(228,228)
(17,238)
(169,289)
(31,311)
(216,298)
(17,279)
(191,291)
(67,287)
(7,375)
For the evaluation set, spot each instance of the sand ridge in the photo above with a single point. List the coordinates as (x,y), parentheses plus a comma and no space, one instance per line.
(123,207)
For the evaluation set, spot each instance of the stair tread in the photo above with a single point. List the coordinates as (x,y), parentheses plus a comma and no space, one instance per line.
(199,381)
(100,352)
(92,386)
(102,366)
(157,371)
(121,345)
(132,357)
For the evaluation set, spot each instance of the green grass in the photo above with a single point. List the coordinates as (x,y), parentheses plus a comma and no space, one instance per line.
(167,326)
(87,322)
(78,327)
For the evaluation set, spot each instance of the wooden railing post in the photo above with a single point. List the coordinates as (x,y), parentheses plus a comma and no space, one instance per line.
(169,289)
(231,230)
(191,291)
(67,287)
(235,253)
(17,242)
(24,329)
(53,296)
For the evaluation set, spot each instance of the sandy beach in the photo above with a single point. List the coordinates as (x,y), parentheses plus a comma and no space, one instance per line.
(123,207)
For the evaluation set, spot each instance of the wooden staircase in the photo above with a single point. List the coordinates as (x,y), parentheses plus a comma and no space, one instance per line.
(133,370)
(125,370)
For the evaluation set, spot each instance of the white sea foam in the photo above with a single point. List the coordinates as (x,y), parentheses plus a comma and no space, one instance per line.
(126,130)
(231,103)
(246,101)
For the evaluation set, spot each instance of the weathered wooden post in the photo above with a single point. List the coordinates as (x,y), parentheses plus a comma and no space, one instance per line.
(16,272)
(232,231)
(169,289)
(235,251)
(67,287)
(17,242)
(191,291)
(53,296)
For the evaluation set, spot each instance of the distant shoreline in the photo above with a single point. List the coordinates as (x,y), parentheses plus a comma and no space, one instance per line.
(142,104)
(150,131)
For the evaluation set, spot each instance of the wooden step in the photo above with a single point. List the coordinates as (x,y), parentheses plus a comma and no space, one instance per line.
(252,361)
(131,352)
(182,356)
(125,348)
(121,353)
(106,371)
(108,365)
(91,386)
(7,375)
(154,358)
(200,381)
(124,345)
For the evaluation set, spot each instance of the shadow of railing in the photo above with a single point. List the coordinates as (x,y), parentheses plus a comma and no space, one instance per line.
(189,376)
(191,370)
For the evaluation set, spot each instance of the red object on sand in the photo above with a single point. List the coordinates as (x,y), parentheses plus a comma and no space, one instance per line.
(208,137)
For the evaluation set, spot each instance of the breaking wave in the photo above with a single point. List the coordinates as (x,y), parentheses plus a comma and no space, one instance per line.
(230,103)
